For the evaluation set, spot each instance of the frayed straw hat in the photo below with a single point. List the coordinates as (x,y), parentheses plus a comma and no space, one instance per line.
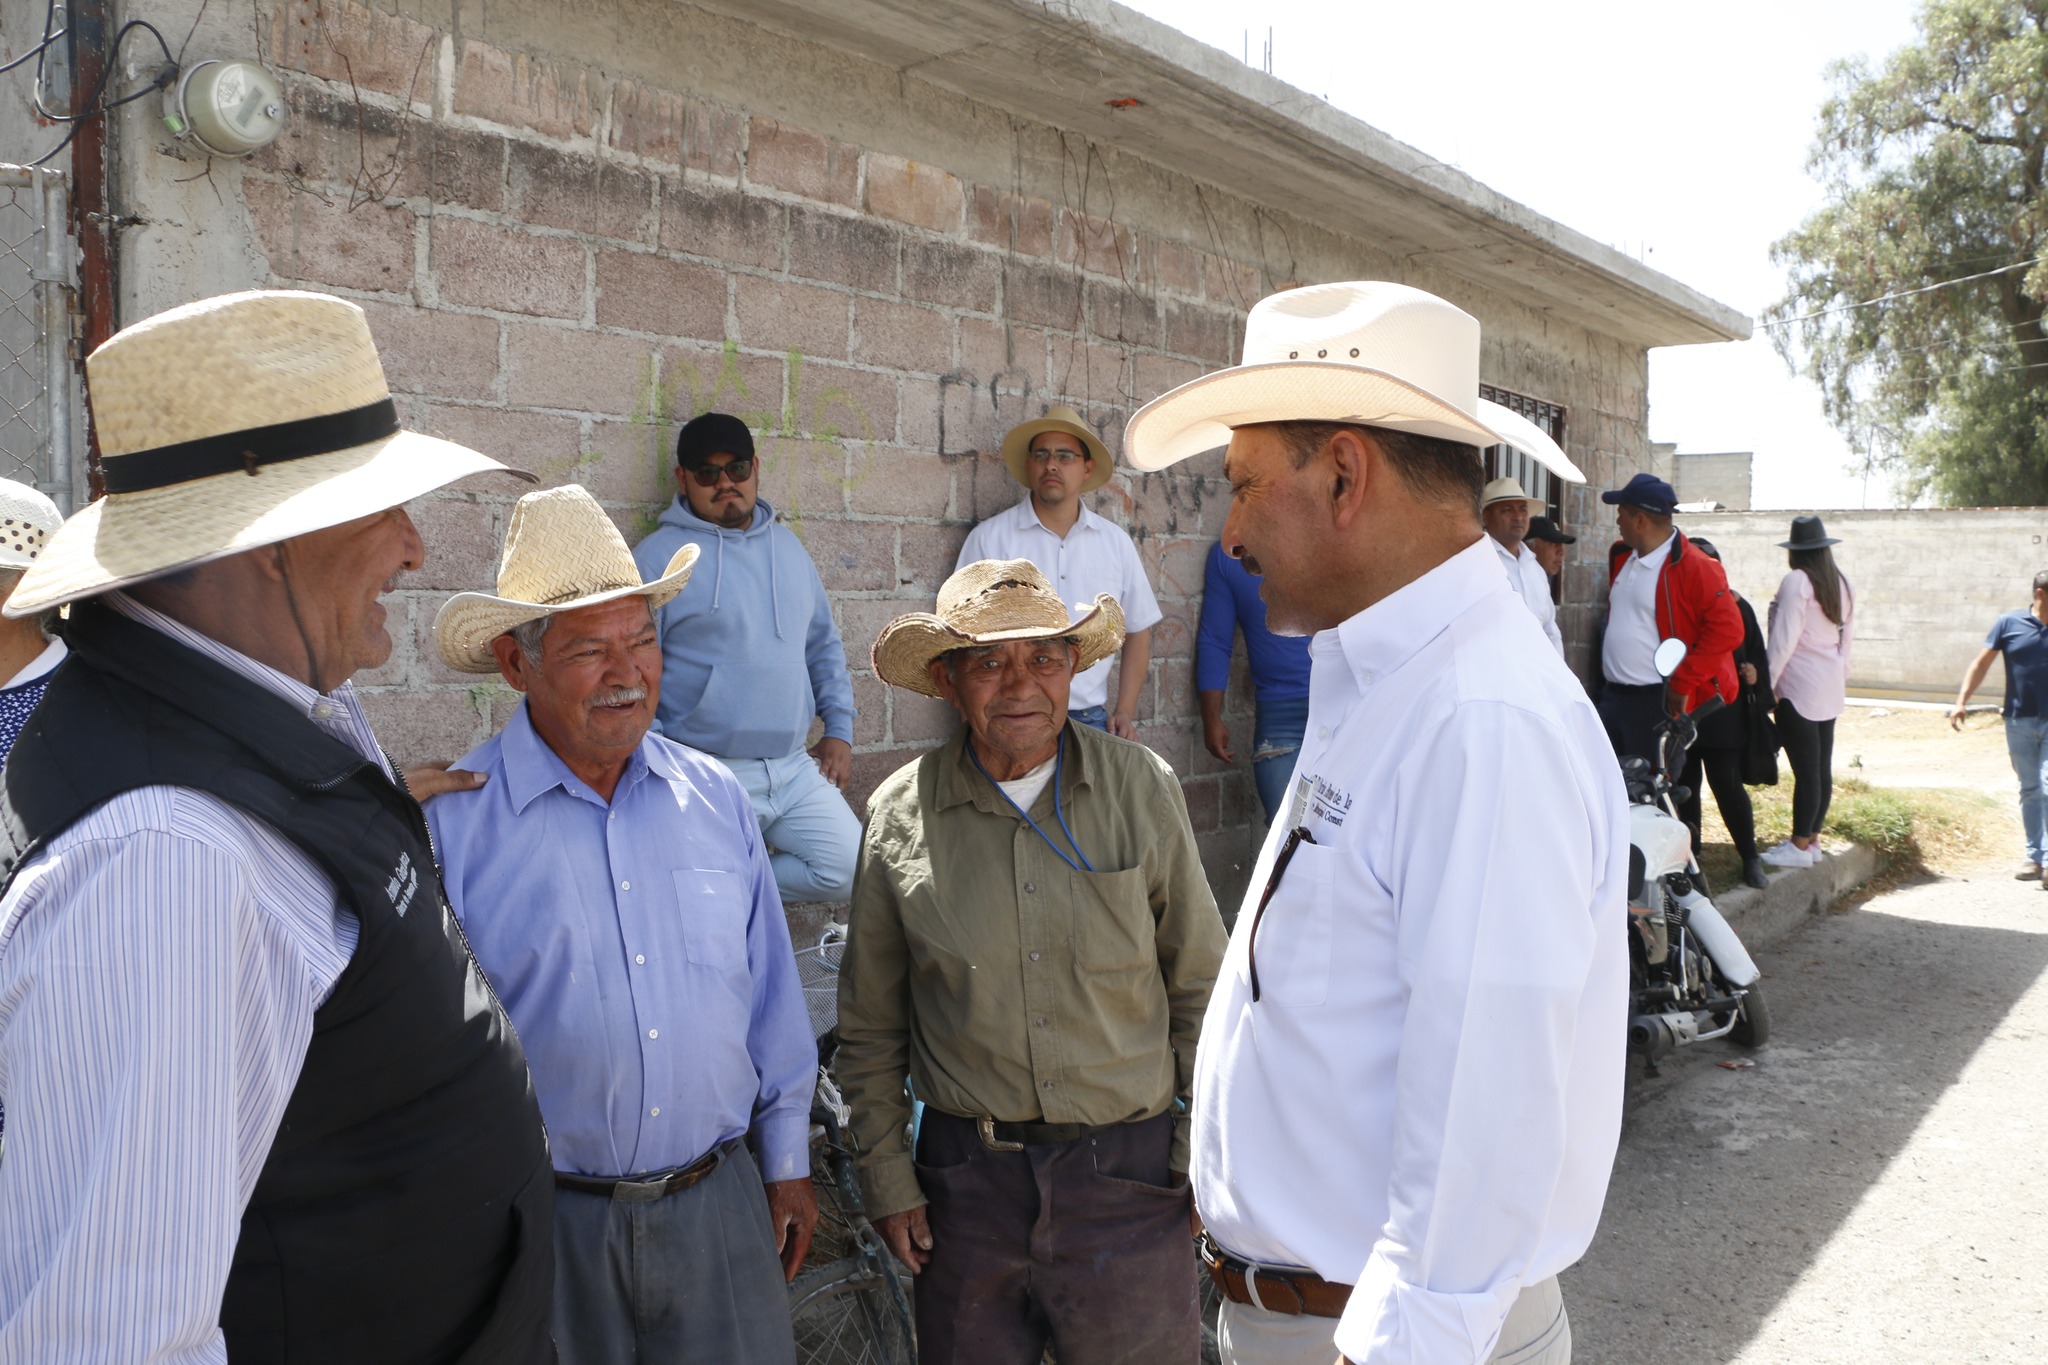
(232,423)
(1017,446)
(1364,352)
(27,521)
(561,552)
(991,602)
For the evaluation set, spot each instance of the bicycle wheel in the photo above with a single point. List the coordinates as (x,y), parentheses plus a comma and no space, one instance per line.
(843,1315)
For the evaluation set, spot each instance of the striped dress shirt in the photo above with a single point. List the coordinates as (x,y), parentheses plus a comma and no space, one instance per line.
(160,963)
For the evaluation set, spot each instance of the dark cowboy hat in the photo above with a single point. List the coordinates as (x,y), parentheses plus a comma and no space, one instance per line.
(1808,534)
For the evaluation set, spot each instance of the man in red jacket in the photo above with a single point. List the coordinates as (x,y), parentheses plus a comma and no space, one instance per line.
(1660,588)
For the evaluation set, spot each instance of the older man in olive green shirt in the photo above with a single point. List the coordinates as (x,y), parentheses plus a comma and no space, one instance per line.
(1032,944)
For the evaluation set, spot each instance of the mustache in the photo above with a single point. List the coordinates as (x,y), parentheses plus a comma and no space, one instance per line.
(619,696)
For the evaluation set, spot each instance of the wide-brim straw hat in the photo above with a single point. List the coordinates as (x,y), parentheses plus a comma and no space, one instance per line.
(1017,446)
(991,602)
(27,521)
(1510,490)
(561,553)
(1364,352)
(1808,534)
(232,423)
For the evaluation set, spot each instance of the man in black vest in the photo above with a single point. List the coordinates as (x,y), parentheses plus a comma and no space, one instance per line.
(258,1099)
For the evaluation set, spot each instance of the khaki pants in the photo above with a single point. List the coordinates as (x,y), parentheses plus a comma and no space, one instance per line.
(1537,1332)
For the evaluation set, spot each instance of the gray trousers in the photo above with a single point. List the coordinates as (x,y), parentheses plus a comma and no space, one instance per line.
(1537,1332)
(688,1279)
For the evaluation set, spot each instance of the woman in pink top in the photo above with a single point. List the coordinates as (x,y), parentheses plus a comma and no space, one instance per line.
(1812,624)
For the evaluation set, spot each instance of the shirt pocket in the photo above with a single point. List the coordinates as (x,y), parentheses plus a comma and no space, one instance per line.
(713,906)
(1114,932)
(1292,941)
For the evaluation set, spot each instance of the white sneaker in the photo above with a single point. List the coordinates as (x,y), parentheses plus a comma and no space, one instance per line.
(1787,854)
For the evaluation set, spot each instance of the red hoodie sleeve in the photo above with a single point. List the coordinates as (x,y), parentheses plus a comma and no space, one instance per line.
(1717,634)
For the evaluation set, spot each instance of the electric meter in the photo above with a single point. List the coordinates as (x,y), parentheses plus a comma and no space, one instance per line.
(228,108)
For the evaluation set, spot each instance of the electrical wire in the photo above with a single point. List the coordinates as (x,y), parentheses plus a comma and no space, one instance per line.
(94,106)
(49,18)
(1904,293)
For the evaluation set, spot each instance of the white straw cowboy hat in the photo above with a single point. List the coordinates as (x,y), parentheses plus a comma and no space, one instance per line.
(1017,446)
(991,602)
(561,552)
(27,521)
(1364,352)
(232,423)
(1510,490)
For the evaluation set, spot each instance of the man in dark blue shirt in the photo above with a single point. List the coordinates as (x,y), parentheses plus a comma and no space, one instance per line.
(2022,637)
(1279,663)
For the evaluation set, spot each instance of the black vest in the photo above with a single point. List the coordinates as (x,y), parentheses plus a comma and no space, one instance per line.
(405,1212)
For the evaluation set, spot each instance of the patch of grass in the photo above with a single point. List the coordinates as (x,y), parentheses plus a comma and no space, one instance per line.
(1914,829)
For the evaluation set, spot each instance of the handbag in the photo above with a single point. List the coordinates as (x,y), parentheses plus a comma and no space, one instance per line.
(1759,739)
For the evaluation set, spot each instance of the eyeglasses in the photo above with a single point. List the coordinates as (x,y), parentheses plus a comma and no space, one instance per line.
(708,475)
(1064,457)
(1296,837)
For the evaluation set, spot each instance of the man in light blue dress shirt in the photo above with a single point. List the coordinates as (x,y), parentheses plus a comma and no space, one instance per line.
(616,890)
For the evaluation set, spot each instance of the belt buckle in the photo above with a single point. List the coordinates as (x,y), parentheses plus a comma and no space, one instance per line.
(987,1128)
(1251,1289)
(641,1191)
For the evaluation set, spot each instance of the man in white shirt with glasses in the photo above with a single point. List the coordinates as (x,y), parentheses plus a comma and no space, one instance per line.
(1059,459)
(1408,1087)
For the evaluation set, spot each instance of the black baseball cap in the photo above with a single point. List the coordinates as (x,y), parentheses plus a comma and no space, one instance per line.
(710,433)
(1543,528)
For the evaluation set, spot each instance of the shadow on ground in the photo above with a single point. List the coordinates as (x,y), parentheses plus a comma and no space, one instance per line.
(1730,1182)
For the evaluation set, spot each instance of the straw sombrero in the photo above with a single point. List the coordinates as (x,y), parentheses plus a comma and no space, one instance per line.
(1510,490)
(1017,446)
(1365,352)
(990,602)
(232,423)
(561,552)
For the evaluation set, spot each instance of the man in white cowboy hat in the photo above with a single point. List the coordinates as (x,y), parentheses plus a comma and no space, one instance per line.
(1059,459)
(616,890)
(1031,944)
(259,1101)
(1408,1088)
(28,654)
(1505,510)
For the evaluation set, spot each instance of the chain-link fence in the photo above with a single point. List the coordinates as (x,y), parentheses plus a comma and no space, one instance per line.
(37,388)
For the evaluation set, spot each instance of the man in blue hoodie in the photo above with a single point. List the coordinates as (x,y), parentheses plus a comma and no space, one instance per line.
(750,656)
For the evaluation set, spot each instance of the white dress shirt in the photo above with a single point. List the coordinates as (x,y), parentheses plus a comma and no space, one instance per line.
(1532,585)
(1096,557)
(160,963)
(1425,1100)
(1628,651)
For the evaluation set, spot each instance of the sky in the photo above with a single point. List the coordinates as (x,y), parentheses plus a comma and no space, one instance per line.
(1678,134)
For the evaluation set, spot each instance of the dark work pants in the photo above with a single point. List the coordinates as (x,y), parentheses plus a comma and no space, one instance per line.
(1631,716)
(1723,771)
(1083,1244)
(1810,752)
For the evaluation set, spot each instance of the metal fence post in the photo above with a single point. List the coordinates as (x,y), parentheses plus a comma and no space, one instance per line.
(38,388)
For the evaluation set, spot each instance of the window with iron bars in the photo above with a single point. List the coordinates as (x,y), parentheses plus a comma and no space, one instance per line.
(1507,462)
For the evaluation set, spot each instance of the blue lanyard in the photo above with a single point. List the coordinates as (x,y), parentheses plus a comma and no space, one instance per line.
(1059,764)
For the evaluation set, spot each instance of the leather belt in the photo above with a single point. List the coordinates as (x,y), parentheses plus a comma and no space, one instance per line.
(1290,1292)
(999,1136)
(641,1189)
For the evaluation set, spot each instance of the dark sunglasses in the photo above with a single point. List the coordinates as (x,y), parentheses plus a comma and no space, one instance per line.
(708,475)
(1296,837)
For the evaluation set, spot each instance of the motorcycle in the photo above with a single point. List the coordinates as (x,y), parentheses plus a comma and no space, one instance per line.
(1690,978)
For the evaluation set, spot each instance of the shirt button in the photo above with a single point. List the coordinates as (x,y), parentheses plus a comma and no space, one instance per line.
(1322,732)
(323,710)
(628,886)
(1034,957)
(640,958)
(655,1112)
(1041,1023)
(654,1033)
(1048,1085)
(1030,888)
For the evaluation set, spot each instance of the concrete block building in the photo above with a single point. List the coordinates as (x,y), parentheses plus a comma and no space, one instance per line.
(882,234)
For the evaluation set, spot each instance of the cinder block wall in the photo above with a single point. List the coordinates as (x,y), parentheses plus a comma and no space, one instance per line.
(575,227)
(1928,585)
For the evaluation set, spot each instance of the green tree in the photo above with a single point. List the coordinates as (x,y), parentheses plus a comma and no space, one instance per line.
(1934,166)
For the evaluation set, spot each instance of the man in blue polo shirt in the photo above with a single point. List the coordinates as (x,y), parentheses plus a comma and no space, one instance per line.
(1279,666)
(2022,637)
